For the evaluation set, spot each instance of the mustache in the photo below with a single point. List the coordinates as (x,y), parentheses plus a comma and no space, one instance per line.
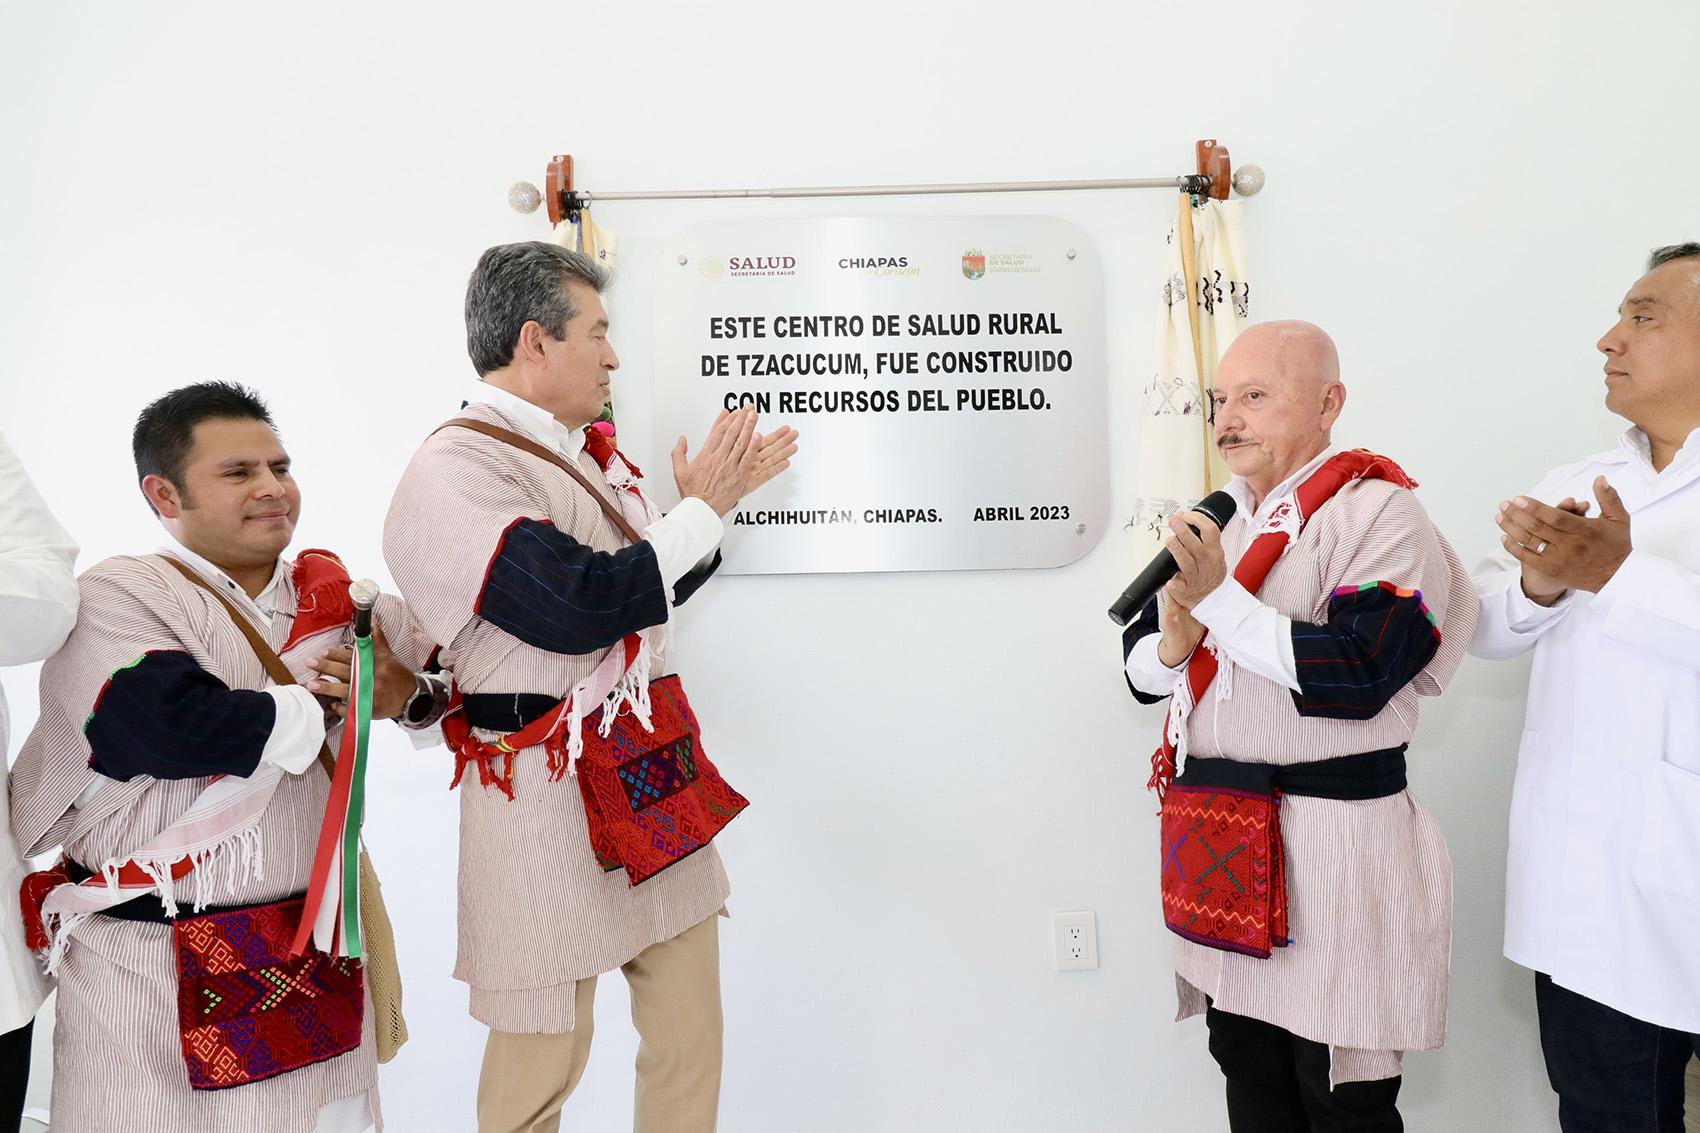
(1230,439)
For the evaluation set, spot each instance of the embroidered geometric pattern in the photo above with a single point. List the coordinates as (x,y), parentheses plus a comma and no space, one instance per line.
(647,806)
(1377,638)
(247,1010)
(1222,879)
(658,774)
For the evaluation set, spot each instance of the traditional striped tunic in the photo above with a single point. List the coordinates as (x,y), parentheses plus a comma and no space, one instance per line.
(117,1059)
(537,913)
(1369,883)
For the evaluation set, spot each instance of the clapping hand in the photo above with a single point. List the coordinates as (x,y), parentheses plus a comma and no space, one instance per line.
(1560,548)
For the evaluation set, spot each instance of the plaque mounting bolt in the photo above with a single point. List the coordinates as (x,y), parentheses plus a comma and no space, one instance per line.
(1072,253)
(683,261)
(1080,529)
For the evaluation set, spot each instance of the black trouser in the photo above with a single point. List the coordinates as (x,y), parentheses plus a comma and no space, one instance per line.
(1612,1073)
(1278,1083)
(14,1075)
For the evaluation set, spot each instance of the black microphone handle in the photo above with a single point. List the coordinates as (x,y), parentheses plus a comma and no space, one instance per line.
(1143,589)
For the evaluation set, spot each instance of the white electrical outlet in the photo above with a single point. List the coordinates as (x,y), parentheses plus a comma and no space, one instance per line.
(1075,939)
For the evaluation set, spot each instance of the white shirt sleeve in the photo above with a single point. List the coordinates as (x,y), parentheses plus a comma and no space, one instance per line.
(1510,622)
(425,738)
(1147,671)
(1253,635)
(683,538)
(298,731)
(38,595)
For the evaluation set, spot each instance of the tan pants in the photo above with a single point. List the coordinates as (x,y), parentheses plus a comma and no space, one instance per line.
(675,990)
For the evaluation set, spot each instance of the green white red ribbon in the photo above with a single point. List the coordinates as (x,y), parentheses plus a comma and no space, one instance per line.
(331,917)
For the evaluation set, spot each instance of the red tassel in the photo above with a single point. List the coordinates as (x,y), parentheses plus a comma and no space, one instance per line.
(1162,771)
(602,450)
(31,894)
(555,752)
(482,755)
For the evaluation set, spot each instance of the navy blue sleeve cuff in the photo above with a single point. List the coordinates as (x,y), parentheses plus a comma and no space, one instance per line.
(692,582)
(1377,638)
(553,592)
(1142,626)
(166,717)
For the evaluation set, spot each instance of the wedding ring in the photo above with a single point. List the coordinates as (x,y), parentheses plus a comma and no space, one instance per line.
(1541,547)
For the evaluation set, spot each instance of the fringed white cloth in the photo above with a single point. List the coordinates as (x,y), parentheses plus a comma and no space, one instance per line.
(621,681)
(1173,449)
(217,839)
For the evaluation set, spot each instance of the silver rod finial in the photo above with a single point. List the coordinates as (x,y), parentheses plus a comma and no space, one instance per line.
(523,196)
(1248,180)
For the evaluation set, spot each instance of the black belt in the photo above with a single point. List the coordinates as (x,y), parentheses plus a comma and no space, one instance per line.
(506,711)
(1372,775)
(149,909)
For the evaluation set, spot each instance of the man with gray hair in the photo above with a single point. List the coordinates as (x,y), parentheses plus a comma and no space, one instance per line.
(548,578)
(1602,882)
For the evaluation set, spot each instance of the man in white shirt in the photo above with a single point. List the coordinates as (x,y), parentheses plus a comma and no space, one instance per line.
(38,606)
(1603,875)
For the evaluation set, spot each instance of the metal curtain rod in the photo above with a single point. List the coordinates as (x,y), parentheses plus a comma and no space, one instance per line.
(1213,179)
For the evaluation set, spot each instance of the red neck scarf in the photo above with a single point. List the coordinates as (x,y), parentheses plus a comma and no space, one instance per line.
(1254,566)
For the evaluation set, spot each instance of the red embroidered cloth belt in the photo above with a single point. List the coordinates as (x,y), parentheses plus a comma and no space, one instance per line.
(1224,878)
(651,798)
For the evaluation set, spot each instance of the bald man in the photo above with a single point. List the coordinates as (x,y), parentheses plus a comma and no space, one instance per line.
(1311,896)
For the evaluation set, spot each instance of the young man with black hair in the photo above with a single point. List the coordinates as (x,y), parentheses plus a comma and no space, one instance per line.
(184,788)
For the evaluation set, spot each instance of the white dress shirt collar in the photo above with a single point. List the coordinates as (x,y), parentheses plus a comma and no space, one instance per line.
(262,606)
(1639,450)
(533,420)
(1241,492)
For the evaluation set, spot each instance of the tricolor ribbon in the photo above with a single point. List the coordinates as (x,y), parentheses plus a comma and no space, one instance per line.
(331,916)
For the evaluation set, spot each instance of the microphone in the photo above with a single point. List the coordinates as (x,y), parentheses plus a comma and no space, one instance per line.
(364,594)
(1219,508)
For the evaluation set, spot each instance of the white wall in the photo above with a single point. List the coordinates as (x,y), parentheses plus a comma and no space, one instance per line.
(293,196)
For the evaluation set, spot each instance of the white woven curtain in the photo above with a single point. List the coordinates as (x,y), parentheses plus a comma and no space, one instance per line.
(585,235)
(1178,465)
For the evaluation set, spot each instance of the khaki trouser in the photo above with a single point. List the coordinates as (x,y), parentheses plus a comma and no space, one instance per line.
(675,990)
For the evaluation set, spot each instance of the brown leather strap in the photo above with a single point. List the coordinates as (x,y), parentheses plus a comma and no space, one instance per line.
(274,666)
(526,444)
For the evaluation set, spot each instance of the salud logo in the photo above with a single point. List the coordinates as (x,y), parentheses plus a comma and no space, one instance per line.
(973,263)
